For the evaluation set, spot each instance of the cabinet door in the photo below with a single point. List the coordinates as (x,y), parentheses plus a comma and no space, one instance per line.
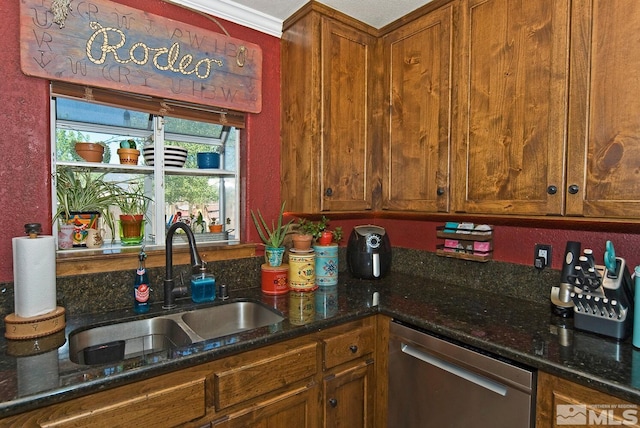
(349,397)
(604,145)
(298,408)
(560,402)
(346,135)
(512,107)
(416,148)
(300,87)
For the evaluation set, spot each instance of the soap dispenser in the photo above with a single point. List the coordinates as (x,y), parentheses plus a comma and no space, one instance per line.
(203,286)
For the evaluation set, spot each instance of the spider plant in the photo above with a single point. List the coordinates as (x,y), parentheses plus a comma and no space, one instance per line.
(84,191)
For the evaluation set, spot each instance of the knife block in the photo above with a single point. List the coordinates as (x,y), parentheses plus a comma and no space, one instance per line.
(608,310)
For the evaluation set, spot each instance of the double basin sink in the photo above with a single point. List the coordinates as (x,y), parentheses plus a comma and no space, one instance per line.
(164,334)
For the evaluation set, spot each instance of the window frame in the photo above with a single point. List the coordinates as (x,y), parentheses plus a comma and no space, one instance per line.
(154,234)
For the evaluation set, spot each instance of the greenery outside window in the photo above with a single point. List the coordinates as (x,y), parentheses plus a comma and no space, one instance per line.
(186,193)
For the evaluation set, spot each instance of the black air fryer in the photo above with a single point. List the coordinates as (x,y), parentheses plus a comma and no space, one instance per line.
(369,252)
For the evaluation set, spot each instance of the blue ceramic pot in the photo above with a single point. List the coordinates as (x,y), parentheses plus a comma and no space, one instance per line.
(208,160)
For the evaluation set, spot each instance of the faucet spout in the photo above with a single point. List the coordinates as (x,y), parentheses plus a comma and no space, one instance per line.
(169,289)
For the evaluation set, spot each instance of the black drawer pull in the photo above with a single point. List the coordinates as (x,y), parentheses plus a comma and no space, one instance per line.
(333,402)
(353,349)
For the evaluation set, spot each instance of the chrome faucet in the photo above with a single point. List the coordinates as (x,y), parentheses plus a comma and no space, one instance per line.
(170,291)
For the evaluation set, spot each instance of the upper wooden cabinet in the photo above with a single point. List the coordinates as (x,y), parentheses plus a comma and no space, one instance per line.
(497,107)
(512,107)
(326,116)
(416,145)
(603,163)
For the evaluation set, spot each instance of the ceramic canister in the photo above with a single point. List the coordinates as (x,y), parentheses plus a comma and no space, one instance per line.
(302,272)
(326,264)
(274,279)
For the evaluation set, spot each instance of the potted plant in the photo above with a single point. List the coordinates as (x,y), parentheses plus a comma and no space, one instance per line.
(84,197)
(133,205)
(319,231)
(272,237)
(128,152)
(214,227)
(328,237)
(307,232)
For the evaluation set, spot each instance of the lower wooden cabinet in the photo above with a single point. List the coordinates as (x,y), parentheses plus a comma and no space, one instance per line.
(349,396)
(331,378)
(295,408)
(280,385)
(563,403)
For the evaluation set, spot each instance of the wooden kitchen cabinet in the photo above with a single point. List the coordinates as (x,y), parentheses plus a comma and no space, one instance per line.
(327,127)
(349,377)
(559,402)
(603,159)
(276,385)
(297,408)
(416,146)
(509,144)
(168,400)
(349,396)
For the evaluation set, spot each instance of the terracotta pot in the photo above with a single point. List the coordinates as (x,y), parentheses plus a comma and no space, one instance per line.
(129,156)
(302,242)
(91,152)
(215,228)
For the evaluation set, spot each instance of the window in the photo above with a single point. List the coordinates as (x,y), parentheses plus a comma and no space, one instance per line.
(172,192)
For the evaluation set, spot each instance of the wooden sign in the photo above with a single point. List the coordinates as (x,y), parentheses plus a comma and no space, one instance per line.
(105,44)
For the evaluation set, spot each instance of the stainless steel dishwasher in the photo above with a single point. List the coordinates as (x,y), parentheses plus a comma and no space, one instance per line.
(435,383)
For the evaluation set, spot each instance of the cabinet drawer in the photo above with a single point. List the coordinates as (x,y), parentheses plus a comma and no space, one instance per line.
(261,376)
(348,346)
(166,406)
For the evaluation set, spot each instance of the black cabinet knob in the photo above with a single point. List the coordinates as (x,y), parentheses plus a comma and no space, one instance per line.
(440,191)
(552,190)
(573,189)
(353,349)
(329,191)
(333,402)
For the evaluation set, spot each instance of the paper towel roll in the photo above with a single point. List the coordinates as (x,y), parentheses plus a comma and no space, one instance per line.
(34,275)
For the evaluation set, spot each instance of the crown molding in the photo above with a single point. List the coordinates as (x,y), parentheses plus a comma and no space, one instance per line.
(236,13)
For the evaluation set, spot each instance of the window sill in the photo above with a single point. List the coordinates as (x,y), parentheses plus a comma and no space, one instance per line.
(108,260)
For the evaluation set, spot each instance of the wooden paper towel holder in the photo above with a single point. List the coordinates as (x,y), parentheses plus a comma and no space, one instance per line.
(20,328)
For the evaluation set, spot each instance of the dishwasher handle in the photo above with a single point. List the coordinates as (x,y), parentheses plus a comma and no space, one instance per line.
(470,376)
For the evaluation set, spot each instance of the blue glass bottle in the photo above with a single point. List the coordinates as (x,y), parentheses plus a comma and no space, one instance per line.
(141,287)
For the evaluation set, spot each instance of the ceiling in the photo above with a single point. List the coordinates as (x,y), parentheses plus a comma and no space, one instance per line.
(267,15)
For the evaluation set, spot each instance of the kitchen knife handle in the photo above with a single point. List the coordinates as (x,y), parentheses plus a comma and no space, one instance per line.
(571,255)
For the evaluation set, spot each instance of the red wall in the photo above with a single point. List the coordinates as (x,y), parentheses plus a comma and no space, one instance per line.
(25,192)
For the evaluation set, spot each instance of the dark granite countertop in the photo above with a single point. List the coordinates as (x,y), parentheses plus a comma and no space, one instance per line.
(520,330)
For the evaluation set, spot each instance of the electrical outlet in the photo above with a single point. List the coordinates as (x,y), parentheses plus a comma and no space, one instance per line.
(542,256)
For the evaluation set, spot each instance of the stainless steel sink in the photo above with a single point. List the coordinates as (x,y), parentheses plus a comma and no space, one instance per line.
(159,336)
(218,321)
(126,340)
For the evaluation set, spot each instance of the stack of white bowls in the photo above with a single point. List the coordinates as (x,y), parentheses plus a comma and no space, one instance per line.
(173,155)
